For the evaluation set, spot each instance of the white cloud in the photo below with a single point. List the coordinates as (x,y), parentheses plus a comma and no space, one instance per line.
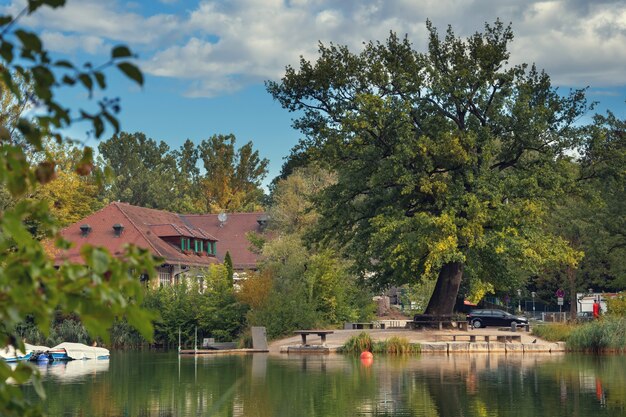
(220,46)
(57,41)
(105,19)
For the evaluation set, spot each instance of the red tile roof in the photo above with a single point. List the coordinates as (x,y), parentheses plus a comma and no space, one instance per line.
(231,235)
(143,227)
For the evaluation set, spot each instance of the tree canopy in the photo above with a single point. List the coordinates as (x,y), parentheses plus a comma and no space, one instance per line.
(147,173)
(447,160)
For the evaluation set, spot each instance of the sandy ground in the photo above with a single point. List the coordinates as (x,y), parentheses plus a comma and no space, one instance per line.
(339,337)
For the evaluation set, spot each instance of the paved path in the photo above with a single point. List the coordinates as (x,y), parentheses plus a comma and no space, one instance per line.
(339,337)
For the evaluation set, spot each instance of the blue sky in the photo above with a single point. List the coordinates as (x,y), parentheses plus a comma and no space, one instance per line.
(206,61)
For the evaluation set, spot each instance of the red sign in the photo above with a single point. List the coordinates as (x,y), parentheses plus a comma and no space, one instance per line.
(560,293)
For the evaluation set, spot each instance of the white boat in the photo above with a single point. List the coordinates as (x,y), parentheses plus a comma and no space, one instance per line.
(10,354)
(63,352)
(78,351)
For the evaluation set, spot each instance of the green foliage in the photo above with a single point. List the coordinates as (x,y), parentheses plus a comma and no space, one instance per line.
(144,171)
(61,330)
(309,286)
(233,180)
(396,346)
(392,346)
(219,312)
(32,285)
(556,332)
(149,174)
(209,304)
(449,157)
(285,309)
(607,334)
(617,306)
(228,264)
(357,344)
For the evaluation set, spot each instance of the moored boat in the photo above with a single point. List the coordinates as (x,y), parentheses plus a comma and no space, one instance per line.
(10,354)
(78,351)
(63,352)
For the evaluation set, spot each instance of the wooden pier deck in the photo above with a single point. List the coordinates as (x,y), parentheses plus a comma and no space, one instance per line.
(223,351)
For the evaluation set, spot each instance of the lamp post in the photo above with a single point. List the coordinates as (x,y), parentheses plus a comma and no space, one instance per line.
(519,300)
(533,295)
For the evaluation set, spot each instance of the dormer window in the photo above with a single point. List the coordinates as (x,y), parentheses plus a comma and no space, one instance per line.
(85,229)
(118,229)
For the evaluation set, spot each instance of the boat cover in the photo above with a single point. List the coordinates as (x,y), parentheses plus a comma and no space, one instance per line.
(79,351)
(10,353)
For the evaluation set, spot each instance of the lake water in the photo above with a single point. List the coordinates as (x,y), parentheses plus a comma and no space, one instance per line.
(165,385)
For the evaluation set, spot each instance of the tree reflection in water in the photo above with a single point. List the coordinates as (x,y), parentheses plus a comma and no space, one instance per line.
(162,384)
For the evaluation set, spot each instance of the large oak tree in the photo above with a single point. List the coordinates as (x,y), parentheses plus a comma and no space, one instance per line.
(446,160)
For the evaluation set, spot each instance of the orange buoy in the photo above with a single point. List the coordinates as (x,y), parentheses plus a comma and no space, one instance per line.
(367,359)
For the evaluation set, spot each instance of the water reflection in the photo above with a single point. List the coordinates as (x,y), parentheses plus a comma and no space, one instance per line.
(72,371)
(152,384)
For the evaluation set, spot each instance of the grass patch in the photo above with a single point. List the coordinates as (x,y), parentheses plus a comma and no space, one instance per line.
(393,346)
(554,332)
(605,335)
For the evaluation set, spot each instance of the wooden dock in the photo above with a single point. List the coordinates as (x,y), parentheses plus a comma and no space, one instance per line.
(223,351)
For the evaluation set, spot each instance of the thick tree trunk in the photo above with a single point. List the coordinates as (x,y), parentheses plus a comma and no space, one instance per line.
(446,289)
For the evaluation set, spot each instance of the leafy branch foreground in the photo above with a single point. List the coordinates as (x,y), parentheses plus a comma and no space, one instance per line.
(103,288)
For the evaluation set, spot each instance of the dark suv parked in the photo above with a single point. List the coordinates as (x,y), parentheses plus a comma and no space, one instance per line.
(483,318)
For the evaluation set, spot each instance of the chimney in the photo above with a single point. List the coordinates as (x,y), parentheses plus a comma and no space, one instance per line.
(118,229)
(85,229)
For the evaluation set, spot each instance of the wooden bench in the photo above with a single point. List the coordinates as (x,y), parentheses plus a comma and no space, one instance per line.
(457,337)
(509,338)
(369,325)
(321,333)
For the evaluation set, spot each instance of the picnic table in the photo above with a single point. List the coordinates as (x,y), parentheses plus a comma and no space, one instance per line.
(321,333)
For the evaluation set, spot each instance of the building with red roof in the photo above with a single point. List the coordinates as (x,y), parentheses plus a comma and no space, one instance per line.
(186,243)
(232,230)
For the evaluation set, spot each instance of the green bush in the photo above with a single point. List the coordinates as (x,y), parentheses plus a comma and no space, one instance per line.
(607,334)
(554,332)
(357,344)
(286,310)
(61,330)
(393,346)
(617,306)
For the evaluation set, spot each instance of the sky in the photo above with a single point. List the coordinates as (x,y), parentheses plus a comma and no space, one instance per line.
(206,61)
